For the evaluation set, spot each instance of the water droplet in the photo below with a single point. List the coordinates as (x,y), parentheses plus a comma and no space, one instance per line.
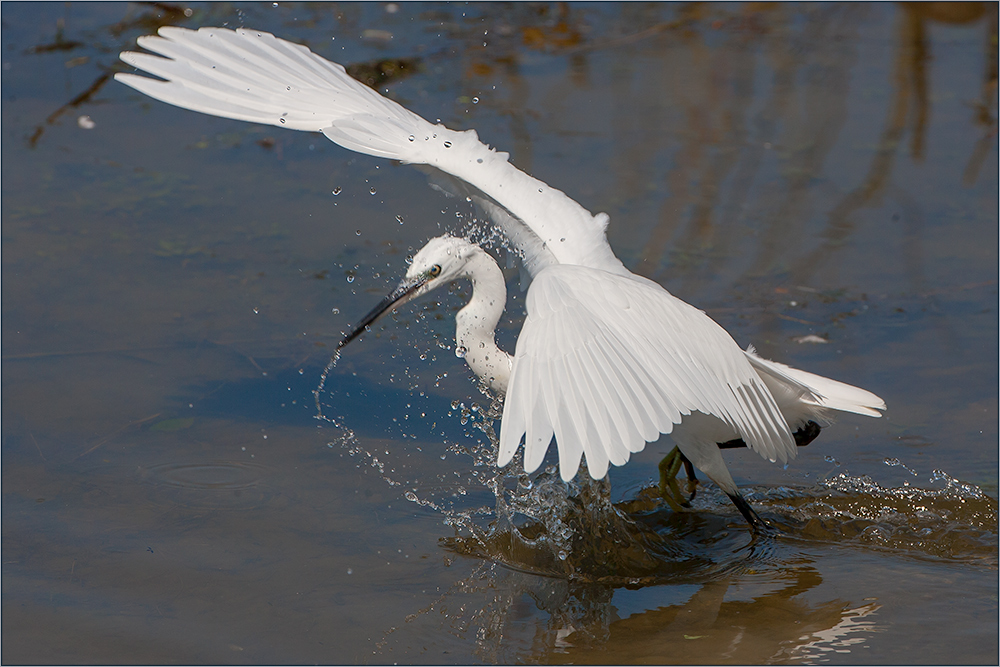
(372,190)
(897,462)
(336,191)
(335,311)
(475,100)
(357,233)
(281,120)
(411,496)
(350,279)
(256,310)
(447,144)
(411,138)
(399,219)
(460,352)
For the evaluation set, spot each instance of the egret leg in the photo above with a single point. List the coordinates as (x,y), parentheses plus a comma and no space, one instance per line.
(669,467)
(669,490)
(757,524)
(692,485)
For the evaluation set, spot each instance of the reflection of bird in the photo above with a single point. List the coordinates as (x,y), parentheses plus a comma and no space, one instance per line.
(606,360)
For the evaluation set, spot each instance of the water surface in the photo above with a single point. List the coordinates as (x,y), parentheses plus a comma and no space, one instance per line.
(821,179)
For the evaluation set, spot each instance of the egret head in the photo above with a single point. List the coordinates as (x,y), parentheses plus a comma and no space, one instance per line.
(441,261)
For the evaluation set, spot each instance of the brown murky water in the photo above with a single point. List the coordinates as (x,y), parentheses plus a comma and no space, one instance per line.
(821,179)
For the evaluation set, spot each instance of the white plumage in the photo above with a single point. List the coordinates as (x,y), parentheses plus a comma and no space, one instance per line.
(606,360)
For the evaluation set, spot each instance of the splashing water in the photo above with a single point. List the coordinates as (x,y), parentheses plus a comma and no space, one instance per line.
(540,524)
(956,522)
(347,438)
(544,525)
(520,526)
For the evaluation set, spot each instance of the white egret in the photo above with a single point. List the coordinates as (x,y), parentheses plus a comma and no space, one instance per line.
(606,360)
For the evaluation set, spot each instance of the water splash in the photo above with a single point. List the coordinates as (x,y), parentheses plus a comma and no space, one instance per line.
(347,439)
(543,525)
(892,462)
(571,530)
(955,522)
(519,526)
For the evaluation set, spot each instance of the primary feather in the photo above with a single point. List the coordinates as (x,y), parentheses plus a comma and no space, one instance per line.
(254,76)
(623,354)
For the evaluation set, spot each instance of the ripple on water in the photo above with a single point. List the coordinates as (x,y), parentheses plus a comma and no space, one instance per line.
(210,485)
(572,531)
(956,522)
(541,525)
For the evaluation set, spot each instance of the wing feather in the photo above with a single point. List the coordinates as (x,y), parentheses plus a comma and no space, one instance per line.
(254,76)
(604,351)
(600,419)
(618,411)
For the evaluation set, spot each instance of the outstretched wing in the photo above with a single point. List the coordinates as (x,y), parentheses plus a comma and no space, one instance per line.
(606,363)
(254,76)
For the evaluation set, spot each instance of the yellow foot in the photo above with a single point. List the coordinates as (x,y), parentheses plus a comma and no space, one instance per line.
(669,489)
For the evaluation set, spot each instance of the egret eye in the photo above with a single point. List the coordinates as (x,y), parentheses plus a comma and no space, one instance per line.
(434,271)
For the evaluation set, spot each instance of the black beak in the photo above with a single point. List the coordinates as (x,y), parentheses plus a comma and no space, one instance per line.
(401,294)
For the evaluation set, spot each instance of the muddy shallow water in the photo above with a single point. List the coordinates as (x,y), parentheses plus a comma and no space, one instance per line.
(821,179)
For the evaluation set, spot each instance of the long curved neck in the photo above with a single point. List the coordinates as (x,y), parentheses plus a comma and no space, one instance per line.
(476,323)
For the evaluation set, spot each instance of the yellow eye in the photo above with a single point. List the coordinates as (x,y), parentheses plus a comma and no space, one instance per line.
(434,271)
